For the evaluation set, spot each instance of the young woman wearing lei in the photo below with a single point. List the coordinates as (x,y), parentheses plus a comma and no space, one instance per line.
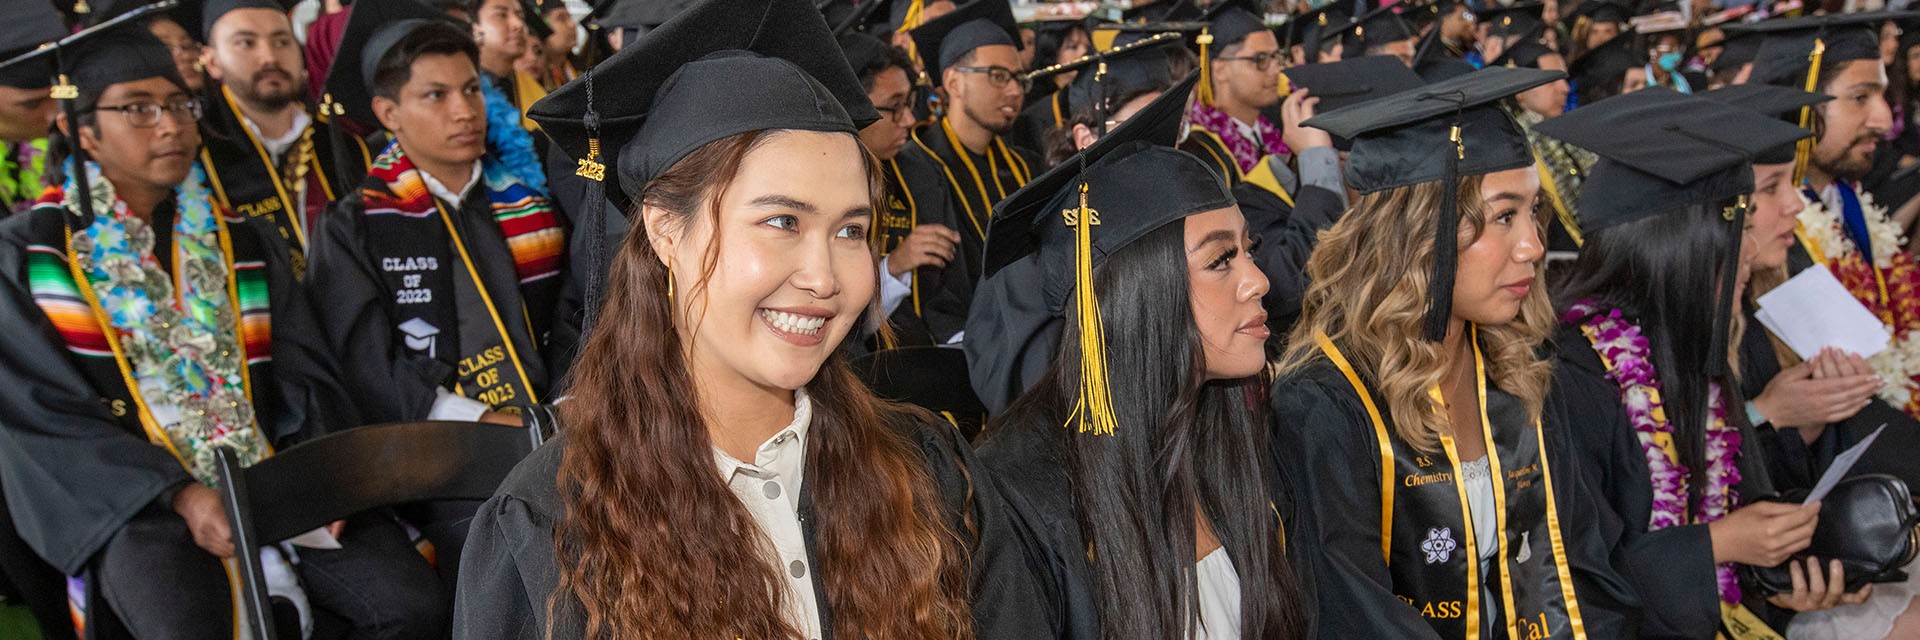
(1644,388)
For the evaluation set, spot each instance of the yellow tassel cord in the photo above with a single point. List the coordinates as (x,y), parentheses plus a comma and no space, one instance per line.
(1206,67)
(911,22)
(1094,410)
(1804,149)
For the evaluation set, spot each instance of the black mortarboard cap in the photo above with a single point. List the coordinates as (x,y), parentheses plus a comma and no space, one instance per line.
(1231,22)
(1783,56)
(980,23)
(720,68)
(642,14)
(371,30)
(1606,64)
(1048,238)
(847,16)
(1739,47)
(860,50)
(215,9)
(1522,19)
(123,53)
(1662,152)
(1602,11)
(1378,27)
(34,25)
(185,12)
(1525,53)
(1438,132)
(1431,61)
(1768,100)
(536,24)
(1136,66)
(1349,82)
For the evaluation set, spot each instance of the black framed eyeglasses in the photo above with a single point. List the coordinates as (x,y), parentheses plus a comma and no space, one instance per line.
(1000,76)
(896,112)
(146,115)
(1262,61)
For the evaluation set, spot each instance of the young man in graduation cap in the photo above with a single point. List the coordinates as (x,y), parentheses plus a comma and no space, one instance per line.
(151,328)
(268,155)
(1240,62)
(903,16)
(439,279)
(1596,22)
(178,28)
(973,55)
(920,262)
(557,67)
(1562,166)
(1844,227)
(1381,32)
(1504,27)
(500,28)
(26,106)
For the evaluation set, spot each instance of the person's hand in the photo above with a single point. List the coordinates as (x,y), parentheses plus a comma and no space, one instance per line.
(1298,107)
(1763,534)
(206,516)
(1801,398)
(929,245)
(1835,363)
(1814,592)
(501,417)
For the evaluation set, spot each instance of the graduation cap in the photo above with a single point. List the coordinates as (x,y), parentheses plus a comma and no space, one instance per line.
(1737,48)
(1228,23)
(860,50)
(847,16)
(1377,28)
(1601,11)
(1524,19)
(371,31)
(1768,100)
(1140,65)
(1784,57)
(1342,84)
(720,68)
(1431,62)
(1046,240)
(1437,132)
(1606,65)
(942,41)
(1525,53)
(215,9)
(530,15)
(188,13)
(1662,152)
(37,25)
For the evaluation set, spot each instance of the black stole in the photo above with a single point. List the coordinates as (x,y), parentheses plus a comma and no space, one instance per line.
(247,181)
(1427,535)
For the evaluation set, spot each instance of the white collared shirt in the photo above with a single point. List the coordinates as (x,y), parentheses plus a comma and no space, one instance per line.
(277,147)
(440,190)
(769,487)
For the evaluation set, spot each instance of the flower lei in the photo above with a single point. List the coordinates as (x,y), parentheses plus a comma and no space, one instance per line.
(510,144)
(1244,152)
(183,349)
(1899,308)
(1624,350)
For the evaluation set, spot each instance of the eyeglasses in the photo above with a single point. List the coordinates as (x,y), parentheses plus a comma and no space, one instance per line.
(1261,61)
(897,112)
(147,114)
(999,75)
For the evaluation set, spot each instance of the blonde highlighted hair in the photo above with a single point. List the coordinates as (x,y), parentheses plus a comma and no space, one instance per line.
(1368,294)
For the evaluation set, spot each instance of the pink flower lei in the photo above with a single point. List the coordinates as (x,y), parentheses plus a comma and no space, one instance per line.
(1624,350)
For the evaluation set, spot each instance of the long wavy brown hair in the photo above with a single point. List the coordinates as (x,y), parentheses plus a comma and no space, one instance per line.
(1369,295)
(653,544)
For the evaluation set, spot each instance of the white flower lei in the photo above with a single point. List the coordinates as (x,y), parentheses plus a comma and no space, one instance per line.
(1824,228)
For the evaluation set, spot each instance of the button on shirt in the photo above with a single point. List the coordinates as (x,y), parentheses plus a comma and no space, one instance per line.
(769,487)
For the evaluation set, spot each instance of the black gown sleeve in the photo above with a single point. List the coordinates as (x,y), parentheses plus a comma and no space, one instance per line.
(507,569)
(1671,569)
(1054,598)
(73,475)
(345,285)
(1324,437)
(311,399)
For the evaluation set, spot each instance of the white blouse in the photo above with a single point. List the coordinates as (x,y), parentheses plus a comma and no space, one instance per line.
(769,487)
(1219,594)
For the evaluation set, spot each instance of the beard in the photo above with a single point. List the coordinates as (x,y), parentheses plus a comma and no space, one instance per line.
(1844,165)
(992,122)
(253,92)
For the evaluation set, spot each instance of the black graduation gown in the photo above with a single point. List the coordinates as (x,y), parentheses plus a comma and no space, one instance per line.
(1028,464)
(74,470)
(931,146)
(355,305)
(1325,439)
(508,568)
(1289,227)
(1207,146)
(1041,116)
(937,307)
(1671,568)
(247,180)
(569,193)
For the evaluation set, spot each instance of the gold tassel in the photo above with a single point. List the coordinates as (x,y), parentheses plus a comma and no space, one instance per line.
(1206,67)
(1094,409)
(909,23)
(1804,149)
(80,8)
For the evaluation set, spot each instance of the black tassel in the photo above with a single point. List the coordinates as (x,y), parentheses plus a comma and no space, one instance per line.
(596,222)
(1446,244)
(1717,365)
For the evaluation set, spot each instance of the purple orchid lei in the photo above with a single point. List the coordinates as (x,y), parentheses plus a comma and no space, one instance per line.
(1245,153)
(1624,350)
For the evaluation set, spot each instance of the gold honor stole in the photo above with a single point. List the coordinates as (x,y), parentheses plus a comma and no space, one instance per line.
(1427,537)
(247,182)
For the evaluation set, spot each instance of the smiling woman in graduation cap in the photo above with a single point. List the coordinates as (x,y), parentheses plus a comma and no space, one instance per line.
(720,473)
(1132,466)
(1644,389)
(1413,387)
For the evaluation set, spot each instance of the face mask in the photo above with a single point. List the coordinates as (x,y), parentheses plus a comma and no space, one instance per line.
(1670,61)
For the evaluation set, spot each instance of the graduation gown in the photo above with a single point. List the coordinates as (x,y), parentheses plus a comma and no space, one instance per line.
(246,179)
(1672,568)
(1325,437)
(976,181)
(1289,226)
(936,309)
(1207,146)
(357,308)
(1041,116)
(1028,464)
(509,569)
(77,462)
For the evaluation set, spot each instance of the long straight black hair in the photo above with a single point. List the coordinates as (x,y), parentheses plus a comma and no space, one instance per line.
(1184,445)
(1672,274)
